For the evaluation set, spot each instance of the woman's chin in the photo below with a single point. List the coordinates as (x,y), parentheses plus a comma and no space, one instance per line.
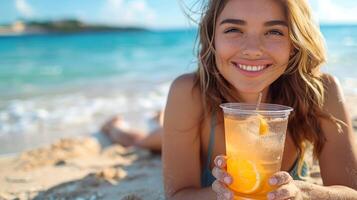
(249,91)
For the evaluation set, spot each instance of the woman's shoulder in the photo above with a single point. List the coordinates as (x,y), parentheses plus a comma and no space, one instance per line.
(185,81)
(184,95)
(329,80)
(333,90)
(334,101)
(338,148)
(186,85)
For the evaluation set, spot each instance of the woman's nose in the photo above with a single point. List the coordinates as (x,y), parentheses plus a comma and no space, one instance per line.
(252,47)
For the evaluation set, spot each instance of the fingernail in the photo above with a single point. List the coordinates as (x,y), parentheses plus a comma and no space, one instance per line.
(227,195)
(227,180)
(273,181)
(219,162)
(271,196)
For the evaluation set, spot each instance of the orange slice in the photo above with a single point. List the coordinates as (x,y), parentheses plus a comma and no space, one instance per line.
(245,173)
(264,127)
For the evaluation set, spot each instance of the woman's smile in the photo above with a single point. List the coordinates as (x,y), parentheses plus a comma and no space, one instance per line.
(252,50)
(251,68)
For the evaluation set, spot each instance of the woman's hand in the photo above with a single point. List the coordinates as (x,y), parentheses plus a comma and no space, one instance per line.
(287,187)
(222,179)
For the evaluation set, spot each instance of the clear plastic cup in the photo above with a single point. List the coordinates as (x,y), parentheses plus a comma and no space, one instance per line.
(255,139)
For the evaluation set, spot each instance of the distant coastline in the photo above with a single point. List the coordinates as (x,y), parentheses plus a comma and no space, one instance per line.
(59,26)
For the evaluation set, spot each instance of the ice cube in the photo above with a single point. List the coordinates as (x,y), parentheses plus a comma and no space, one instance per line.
(253,125)
(270,147)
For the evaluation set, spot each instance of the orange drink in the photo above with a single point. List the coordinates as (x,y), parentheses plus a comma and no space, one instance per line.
(254,146)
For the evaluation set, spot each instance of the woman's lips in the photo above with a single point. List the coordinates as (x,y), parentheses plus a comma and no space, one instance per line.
(251,70)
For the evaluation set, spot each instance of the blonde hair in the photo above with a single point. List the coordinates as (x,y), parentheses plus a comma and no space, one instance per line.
(300,87)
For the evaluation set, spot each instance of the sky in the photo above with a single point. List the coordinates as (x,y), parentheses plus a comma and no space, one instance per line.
(160,14)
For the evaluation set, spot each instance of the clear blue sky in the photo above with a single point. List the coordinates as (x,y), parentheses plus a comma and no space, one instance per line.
(148,13)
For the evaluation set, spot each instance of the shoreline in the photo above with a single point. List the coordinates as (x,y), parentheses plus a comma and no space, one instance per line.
(84,117)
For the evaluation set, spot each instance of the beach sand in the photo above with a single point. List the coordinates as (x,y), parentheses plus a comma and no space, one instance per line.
(88,168)
(77,168)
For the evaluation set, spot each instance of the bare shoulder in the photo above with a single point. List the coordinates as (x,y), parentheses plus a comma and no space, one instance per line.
(181,144)
(184,100)
(183,83)
(339,147)
(333,92)
(334,99)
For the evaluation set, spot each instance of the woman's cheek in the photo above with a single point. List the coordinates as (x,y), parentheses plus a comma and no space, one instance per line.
(279,50)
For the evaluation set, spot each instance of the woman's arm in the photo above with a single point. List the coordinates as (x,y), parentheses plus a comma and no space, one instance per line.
(338,159)
(317,192)
(190,193)
(181,142)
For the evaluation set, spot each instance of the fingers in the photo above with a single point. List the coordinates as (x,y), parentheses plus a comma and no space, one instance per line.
(222,176)
(280,178)
(286,187)
(222,191)
(220,161)
(284,192)
(222,179)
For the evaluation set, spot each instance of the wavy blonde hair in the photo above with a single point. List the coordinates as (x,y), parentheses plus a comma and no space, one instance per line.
(300,87)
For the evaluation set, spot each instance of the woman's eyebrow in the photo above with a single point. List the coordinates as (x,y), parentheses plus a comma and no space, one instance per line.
(242,22)
(276,22)
(233,21)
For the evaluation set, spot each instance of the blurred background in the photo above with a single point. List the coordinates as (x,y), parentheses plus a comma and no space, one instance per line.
(67,66)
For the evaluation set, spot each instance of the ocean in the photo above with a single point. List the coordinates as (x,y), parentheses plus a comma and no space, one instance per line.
(61,85)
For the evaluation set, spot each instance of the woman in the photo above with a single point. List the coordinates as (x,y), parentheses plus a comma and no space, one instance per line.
(248,47)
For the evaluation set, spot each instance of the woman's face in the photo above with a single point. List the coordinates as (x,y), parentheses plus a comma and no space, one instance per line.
(252,44)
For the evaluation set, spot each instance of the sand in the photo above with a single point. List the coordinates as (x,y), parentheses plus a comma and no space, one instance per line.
(88,168)
(77,168)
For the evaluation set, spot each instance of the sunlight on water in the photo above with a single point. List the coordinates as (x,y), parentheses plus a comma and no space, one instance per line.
(62,83)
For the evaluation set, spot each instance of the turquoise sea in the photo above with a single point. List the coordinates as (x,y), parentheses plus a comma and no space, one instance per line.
(68,84)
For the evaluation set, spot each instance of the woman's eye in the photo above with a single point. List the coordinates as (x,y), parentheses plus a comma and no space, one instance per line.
(232,30)
(275,32)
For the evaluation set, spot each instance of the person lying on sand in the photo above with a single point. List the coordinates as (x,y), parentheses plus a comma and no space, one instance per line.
(116,131)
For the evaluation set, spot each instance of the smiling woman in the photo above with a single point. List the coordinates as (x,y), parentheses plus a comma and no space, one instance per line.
(65,85)
(247,44)
(248,48)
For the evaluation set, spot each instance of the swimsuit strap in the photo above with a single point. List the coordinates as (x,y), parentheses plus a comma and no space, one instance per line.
(207,178)
(211,140)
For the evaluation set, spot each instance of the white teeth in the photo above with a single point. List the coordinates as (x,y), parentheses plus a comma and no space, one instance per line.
(251,68)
